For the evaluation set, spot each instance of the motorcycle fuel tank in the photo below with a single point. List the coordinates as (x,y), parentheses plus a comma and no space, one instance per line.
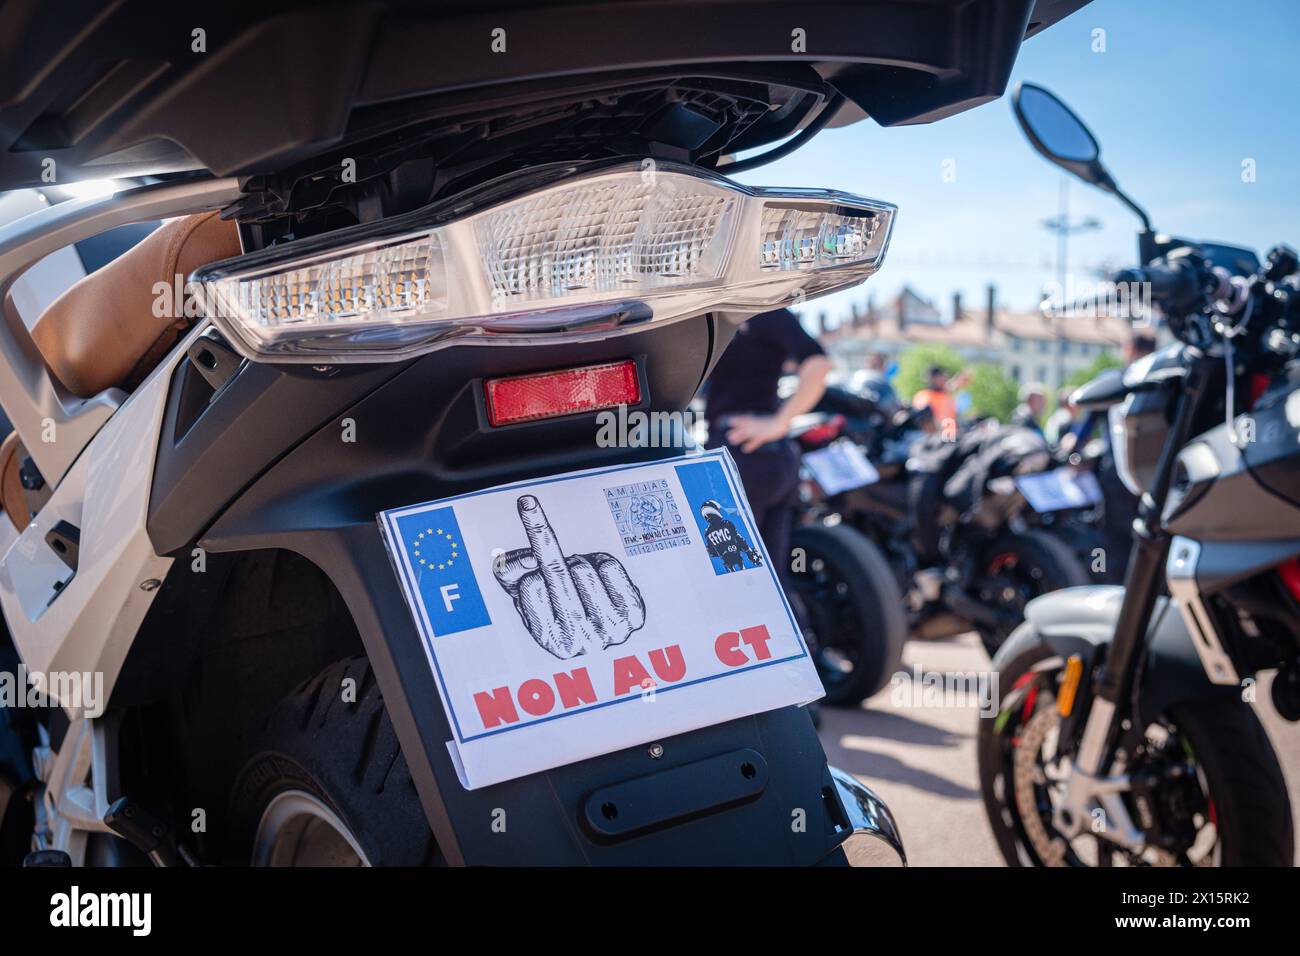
(1240,483)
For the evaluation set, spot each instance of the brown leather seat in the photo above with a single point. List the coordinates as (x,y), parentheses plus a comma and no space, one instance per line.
(12,498)
(103,333)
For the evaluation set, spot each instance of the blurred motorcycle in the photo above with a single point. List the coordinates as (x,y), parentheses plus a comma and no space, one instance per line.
(853,610)
(948,515)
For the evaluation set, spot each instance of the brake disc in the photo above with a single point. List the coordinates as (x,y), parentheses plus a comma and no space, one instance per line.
(1027,774)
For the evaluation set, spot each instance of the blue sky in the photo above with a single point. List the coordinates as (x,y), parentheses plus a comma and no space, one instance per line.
(1183,93)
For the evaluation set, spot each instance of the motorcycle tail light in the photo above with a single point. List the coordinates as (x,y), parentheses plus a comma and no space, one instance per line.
(379,282)
(525,398)
(823,434)
(804,236)
(1289,572)
(574,254)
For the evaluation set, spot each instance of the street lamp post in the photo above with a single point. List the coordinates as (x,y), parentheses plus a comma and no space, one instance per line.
(1063,227)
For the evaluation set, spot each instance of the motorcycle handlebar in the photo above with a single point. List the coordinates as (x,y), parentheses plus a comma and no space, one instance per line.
(1179,285)
(1173,284)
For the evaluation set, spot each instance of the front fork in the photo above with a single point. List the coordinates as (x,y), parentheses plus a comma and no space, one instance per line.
(1095,756)
(1115,682)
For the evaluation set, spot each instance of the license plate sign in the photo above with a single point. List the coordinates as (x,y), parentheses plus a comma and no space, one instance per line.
(1059,490)
(579,614)
(840,466)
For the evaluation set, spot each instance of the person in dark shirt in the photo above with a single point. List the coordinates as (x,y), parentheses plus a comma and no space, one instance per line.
(744,412)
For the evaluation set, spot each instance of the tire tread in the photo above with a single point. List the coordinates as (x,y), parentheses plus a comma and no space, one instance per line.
(349,756)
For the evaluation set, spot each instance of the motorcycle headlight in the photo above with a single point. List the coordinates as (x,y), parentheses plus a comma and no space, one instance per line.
(1120,447)
(581,255)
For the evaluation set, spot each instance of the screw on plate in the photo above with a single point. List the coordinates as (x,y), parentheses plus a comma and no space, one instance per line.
(656,751)
(153,584)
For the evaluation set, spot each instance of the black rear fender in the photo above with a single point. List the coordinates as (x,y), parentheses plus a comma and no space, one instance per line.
(546,818)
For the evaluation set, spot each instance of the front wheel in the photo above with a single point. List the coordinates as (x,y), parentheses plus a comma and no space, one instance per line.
(1017,569)
(854,610)
(1205,785)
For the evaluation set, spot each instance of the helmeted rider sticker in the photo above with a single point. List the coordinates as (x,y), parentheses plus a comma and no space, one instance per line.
(571,616)
(729,542)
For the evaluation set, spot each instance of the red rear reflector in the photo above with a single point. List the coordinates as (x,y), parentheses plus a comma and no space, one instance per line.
(1290,575)
(527,398)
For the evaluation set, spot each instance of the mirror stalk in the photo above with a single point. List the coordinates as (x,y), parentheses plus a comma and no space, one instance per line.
(1105,182)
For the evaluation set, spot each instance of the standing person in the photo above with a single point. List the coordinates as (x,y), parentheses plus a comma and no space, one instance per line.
(1137,347)
(1033,401)
(725,541)
(939,398)
(743,410)
(873,382)
(1059,422)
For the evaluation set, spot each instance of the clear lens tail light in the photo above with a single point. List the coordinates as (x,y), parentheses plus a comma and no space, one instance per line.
(564,258)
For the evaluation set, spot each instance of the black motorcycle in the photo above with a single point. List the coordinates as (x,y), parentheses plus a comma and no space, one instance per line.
(1125,732)
(852,607)
(1088,507)
(949,517)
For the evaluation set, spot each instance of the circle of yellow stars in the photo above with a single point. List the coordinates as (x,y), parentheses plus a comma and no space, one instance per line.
(429,562)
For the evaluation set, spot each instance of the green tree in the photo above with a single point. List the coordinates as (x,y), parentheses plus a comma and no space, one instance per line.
(914,367)
(992,392)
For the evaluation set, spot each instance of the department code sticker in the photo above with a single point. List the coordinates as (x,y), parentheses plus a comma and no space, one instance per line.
(647,516)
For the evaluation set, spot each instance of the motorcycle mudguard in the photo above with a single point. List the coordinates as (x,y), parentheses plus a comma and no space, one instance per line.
(1082,621)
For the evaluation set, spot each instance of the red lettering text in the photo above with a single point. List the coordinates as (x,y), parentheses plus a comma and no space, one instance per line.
(496,707)
(669,663)
(536,697)
(575,688)
(629,674)
(727,647)
(757,638)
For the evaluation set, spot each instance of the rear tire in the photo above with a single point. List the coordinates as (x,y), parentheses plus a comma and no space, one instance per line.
(856,611)
(323,758)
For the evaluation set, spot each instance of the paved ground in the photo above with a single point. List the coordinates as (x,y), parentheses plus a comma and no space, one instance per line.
(921,759)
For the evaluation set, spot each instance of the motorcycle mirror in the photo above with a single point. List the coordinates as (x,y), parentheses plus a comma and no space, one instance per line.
(1057,133)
